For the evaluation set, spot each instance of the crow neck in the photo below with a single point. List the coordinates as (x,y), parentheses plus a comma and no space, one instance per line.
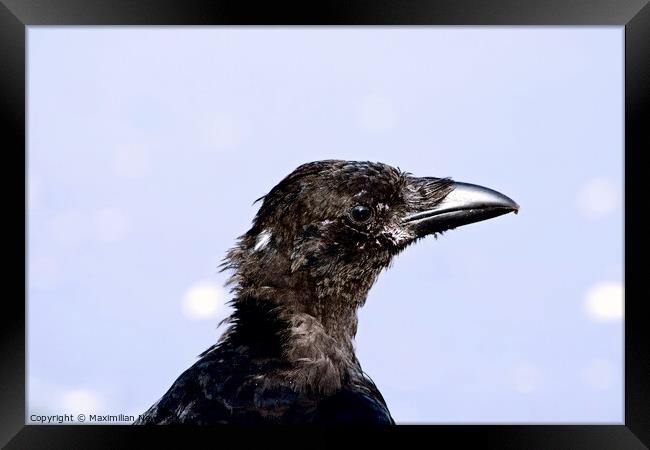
(326,303)
(314,309)
(310,316)
(317,353)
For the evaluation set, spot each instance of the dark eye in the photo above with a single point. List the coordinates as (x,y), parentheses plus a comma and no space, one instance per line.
(361,214)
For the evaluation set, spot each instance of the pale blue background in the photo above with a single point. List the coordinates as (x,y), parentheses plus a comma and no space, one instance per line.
(147,147)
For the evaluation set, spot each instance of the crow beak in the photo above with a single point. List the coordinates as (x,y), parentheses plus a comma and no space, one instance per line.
(465,204)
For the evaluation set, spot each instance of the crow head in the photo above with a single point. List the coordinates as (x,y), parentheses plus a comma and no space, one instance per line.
(323,234)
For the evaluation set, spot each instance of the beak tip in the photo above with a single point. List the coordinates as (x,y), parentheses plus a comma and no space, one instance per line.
(515,208)
(506,202)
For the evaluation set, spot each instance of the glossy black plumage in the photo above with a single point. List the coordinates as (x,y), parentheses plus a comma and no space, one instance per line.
(224,386)
(317,244)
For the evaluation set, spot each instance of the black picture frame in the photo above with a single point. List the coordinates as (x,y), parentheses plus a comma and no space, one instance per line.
(634,15)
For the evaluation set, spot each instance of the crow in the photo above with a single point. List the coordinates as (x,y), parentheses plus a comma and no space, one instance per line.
(318,242)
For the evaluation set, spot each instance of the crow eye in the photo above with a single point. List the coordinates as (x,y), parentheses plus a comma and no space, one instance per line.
(361,214)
